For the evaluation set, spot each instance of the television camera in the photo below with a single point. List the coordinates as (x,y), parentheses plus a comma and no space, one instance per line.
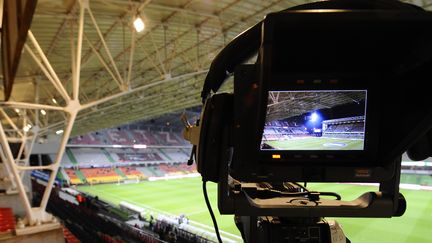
(338,92)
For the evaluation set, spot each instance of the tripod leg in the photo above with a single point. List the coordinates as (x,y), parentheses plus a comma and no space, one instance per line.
(247,226)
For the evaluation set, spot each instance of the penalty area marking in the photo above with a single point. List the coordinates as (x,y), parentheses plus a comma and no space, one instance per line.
(335,145)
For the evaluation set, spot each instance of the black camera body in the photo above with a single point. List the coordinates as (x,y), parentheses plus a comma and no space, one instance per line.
(338,92)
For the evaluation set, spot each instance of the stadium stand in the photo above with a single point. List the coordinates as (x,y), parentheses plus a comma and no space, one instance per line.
(129,137)
(278,131)
(138,157)
(169,169)
(416,172)
(119,137)
(132,173)
(65,161)
(100,175)
(156,171)
(73,177)
(89,157)
(145,171)
(176,155)
(350,127)
(167,138)
(111,175)
(89,138)
(109,156)
(143,137)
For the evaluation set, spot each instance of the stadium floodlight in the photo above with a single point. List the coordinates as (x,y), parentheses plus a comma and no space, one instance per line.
(139,24)
(139,146)
(314,117)
(58,132)
(43,112)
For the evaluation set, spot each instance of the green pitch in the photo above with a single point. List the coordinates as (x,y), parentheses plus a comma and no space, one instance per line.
(185,196)
(317,143)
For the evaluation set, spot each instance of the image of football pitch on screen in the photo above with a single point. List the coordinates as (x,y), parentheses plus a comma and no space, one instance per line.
(315,120)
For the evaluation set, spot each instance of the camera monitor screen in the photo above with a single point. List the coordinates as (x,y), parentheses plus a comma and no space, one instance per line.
(315,120)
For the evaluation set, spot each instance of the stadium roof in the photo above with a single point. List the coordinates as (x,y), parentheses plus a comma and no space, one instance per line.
(125,76)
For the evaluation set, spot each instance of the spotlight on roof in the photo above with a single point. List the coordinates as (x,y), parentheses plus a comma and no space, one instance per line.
(314,117)
(43,112)
(139,24)
(59,131)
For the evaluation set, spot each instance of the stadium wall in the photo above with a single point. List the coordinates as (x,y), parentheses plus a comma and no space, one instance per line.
(49,145)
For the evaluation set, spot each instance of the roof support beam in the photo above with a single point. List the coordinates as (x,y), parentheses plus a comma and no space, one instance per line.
(112,97)
(107,68)
(47,73)
(131,58)
(113,64)
(76,59)
(51,73)
(11,123)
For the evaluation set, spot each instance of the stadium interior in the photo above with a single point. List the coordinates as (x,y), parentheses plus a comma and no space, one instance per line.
(92,148)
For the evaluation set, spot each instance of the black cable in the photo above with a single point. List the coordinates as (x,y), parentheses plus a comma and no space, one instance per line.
(302,187)
(211,212)
(192,156)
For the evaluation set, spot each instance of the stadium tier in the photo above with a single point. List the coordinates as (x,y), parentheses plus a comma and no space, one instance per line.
(129,137)
(77,176)
(100,175)
(119,174)
(72,176)
(86,139)
(65,160)
(108,156)
(119,137)
(143,137)
(132,173)
(94,157)
(103,157)
(138,157)
(350,127)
